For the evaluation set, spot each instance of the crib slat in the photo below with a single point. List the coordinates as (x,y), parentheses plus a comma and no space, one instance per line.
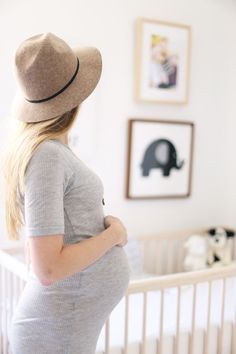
(170,257)
(8,300)
(143,350)
(180,255)
(221,330)
(233,347)
(159,253)
(1,309)
(206,342)
(175,253)
(4,296)
(145,256)
(126,336)
(192,336)
(176,349)
(15,294)
(233,344)
(18,287)
(11,295)
(160,342)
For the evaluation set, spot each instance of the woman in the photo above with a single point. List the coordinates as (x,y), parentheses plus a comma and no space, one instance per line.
(78,268)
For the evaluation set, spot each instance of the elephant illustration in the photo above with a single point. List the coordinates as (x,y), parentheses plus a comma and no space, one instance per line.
(161,154)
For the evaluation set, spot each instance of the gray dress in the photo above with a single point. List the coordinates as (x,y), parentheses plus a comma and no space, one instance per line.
(64,196)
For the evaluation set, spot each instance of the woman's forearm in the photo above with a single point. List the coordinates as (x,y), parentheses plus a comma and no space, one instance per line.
(75,257)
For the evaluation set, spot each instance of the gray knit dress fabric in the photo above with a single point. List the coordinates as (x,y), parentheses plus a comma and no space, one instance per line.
(64,196)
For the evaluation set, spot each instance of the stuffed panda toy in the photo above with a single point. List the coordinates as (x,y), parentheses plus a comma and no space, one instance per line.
(219,251)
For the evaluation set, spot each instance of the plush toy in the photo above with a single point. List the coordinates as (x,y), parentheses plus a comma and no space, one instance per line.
(195,253)
(219,252)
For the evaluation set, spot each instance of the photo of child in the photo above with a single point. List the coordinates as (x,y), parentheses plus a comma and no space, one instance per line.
(163,64)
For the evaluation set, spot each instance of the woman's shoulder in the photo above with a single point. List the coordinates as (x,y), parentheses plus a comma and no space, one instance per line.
(48,154)
(46,150)
(48,166)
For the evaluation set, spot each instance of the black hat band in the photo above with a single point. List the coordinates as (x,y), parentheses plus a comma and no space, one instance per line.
(61,90)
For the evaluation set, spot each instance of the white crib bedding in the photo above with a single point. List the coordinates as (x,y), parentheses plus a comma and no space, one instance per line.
(117,317)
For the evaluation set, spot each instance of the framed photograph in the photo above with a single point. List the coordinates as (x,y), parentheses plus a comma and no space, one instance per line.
(162,61)
(159,163)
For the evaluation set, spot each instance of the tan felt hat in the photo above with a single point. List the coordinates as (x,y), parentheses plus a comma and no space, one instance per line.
(53,78)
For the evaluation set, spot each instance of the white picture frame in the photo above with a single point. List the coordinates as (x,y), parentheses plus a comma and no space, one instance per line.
(162,61)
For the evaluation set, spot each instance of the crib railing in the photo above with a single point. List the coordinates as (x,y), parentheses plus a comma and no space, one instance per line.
(163,253)
(177,281)
(13,276)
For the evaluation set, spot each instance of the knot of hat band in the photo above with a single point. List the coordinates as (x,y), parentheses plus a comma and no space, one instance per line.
(61,90)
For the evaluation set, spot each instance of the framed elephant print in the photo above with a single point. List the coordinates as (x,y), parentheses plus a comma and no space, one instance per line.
(162,61)
(160,159)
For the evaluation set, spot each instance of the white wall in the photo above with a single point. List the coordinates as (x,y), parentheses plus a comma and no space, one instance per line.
(230,115)
(102,125)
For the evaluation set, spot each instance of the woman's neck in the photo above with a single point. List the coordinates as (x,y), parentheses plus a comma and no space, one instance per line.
(63,138)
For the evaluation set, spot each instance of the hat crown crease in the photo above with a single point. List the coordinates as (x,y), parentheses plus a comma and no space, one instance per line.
(44,65)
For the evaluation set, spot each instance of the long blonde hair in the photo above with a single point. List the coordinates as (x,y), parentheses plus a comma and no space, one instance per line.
(16,157)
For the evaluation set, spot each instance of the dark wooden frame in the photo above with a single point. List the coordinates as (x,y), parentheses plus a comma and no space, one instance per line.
(128,166)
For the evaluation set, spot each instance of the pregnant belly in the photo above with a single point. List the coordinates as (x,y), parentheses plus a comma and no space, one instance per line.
(92,292)
(82,301)
(108,276)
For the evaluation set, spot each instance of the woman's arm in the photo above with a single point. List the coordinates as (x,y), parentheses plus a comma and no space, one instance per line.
(53,261)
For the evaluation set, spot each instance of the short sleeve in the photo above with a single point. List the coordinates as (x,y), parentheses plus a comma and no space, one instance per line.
(44,192)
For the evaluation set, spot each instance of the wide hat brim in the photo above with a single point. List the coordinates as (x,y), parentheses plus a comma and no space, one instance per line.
(87,78)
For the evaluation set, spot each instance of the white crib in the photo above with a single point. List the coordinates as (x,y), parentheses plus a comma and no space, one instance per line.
(167,312)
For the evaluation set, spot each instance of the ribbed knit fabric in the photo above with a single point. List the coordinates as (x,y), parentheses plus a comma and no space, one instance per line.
(64,196)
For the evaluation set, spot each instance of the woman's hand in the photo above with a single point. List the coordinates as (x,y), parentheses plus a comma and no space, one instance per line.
(118,229)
